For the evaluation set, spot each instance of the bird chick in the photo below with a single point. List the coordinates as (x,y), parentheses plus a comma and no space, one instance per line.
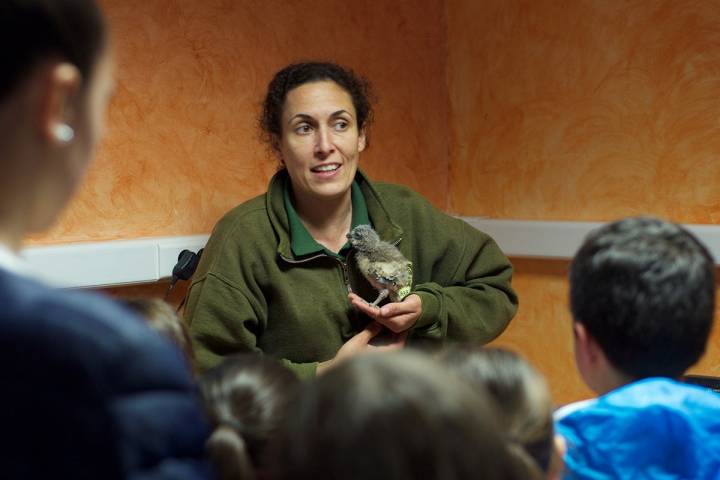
(382,264)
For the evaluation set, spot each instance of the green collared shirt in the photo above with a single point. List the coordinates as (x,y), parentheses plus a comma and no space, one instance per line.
(302,243)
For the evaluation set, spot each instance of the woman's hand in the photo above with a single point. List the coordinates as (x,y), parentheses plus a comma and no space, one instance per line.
(397,316)
(360,344)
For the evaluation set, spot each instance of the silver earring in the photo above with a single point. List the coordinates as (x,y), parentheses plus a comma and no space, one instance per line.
(64,132)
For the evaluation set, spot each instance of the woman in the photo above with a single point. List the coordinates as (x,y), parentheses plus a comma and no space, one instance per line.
(89,391)
(278,276)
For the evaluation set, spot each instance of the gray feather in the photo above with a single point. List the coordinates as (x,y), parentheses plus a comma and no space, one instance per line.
(382,263)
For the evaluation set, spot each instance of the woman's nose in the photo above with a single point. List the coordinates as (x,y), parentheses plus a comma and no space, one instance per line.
(323,143)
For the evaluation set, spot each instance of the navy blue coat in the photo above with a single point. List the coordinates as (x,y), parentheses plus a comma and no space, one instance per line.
(90,392)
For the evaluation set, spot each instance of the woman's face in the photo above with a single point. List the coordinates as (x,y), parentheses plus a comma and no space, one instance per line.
(321,141)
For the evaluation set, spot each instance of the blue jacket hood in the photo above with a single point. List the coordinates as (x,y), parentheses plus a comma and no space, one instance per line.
(655,428)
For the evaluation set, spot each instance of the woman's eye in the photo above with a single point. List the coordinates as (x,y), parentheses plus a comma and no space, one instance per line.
(341,125)
(303,128)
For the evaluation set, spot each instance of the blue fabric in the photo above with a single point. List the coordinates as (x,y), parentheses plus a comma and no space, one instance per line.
(90,392)
(652,429)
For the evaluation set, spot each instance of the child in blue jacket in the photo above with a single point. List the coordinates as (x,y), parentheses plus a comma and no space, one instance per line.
(642,295)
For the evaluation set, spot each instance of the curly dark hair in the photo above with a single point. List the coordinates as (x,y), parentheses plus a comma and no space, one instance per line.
(297,74)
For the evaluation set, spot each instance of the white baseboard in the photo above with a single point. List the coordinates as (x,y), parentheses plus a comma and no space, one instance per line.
(535,239)
(117,262)
(123,262)
(560,240)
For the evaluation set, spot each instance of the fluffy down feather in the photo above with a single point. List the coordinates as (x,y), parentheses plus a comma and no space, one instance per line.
(382,264)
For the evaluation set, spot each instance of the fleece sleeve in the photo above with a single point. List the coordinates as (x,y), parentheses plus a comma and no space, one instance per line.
(477,302)
(223,320)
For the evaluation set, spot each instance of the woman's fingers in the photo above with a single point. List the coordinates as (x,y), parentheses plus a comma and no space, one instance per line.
(397,316)
(368,333)
(363,306)
(400,323)
(397,343)
(409,305)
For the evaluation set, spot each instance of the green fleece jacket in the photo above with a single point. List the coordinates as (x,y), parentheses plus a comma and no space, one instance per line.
(250,293)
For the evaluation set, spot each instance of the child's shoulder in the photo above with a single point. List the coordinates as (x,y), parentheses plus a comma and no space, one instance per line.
(650,394)
(653,393)
(635,426)
(570,408)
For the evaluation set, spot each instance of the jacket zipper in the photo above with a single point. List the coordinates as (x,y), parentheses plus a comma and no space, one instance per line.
(343,265)
(304,260)
(346,275)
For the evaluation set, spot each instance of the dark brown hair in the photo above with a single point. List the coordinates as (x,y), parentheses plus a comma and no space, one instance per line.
(392,416)
(162,318)
(298,74)
(520,394)
(644,289)
(247,397)
(34,30)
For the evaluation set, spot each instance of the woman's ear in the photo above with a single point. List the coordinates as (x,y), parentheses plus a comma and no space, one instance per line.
(61,82)
(362,140)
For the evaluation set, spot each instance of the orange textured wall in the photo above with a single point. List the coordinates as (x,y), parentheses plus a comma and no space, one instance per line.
(542,333)
(182,145)
(582,110)
(558,109)
(585,110)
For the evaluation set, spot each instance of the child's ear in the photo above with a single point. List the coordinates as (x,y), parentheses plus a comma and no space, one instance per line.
(587,351)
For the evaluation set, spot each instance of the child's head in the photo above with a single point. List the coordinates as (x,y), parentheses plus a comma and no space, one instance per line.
(393,416)
(56,82)
(521,397)
(642,295)
(163,319)
(247,397)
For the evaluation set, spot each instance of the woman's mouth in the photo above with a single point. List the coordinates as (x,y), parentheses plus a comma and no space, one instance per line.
(326,169)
